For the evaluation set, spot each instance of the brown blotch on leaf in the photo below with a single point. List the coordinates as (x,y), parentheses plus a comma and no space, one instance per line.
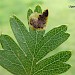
(40,21)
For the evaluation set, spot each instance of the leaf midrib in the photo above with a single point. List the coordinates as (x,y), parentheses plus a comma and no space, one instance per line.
(23,38)
(34,53)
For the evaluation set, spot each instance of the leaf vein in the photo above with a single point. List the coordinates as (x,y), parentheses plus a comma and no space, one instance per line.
(47,42)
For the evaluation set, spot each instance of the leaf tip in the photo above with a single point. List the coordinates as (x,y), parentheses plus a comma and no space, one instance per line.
(64,27)
(38,9)
(38,6)
(69,53)
(69,66)
(67,35)
(13,16)
(29,9)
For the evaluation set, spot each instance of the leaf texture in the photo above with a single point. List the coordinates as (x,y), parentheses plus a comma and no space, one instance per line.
(38,9)
(29,13)
(24,57)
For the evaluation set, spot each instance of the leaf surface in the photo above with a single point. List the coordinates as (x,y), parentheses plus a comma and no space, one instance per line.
(51,40)
(38,9)
(29,13)
(24,57)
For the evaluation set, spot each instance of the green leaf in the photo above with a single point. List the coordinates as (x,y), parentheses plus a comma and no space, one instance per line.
(36,34)
(24,57)
(23,37)
(15,52)
(29,13)
(10,62)
(51,40)
(53,60)
(53,69)
(38,9)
